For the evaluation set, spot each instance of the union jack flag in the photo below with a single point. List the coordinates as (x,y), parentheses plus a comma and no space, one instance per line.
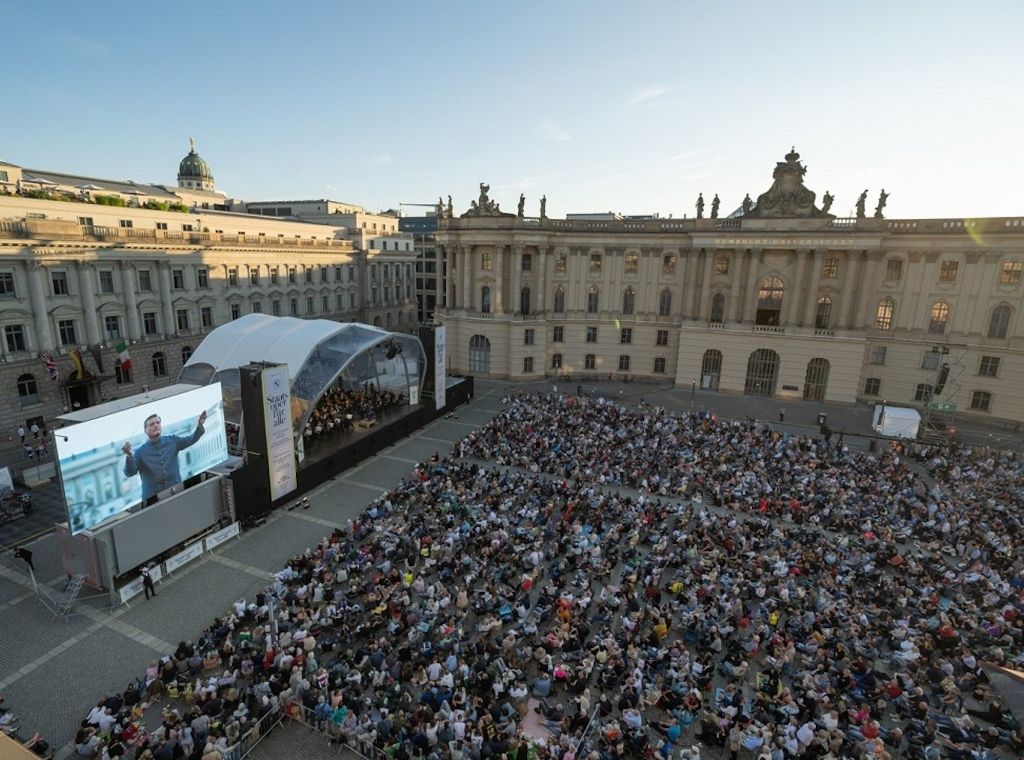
(51,365)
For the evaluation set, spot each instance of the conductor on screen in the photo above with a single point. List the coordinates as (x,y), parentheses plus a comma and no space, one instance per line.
(157,459)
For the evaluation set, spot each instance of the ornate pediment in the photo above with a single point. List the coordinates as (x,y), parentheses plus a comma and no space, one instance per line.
(787,197)
(484,206)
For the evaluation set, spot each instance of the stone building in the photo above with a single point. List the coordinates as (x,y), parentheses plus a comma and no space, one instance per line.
(781,300)
(87,263)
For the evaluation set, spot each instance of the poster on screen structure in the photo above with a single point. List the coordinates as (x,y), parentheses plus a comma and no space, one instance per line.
(110,464)
(280,441)
(440,371)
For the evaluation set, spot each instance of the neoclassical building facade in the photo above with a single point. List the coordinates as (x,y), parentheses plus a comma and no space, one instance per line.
(782,300)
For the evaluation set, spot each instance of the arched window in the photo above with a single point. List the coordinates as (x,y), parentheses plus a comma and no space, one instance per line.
(823,314)
(479,354)
(485,299)
(938,317)
(628,301)
(524,301)
(665,303)
(762,373)
(159,364)
(186,354)
(28,391)
(589,361)
(593,300)
(711,369)
(718,307)
(769,301)
(883,314)
(999,322)
(816,380)
(559,300)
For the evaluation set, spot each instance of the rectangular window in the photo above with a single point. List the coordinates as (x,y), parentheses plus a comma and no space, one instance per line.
(877,354)
(85,221)
(632,263)
(106,282)
(15,336)
(275,276)
(236,310)
(659,365)
(323,274)
(254,276)
(178,279)
(337,274)
(125,223)
(145,280)
(930,360)
(623,362)
(560,263)
(182,318)
(351,300)
(528,364)
(309,275)
(894,269)
(66,329)
(7,285)
(556,361)
(233,277)
(1010,272)
(351,273)
(527,262)
(948,270)
(662,338)
(589,361)
(830,268)
(339,302)
(293,307)
(206,316)
(528,336)
(626,335)
(373,294)
(291,275)
(275,308)
(161,225)
(989,366)
(122,375)
(981,401)
(309,305)
(112,327)
(60,283)
(721,265)
(591,335)
(558,334)
(257,307)
(202,278)
(149,323)
(595,263)
(668,263)
(325,304)
(872,386)
(487,261)
(923,392)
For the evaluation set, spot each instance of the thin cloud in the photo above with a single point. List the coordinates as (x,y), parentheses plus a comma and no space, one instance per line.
(552,131)
(686,154)
(645,95)
(378,159)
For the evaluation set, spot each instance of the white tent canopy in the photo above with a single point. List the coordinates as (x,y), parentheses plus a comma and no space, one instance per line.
(896,421)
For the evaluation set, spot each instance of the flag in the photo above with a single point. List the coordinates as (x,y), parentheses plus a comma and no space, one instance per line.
(97,357)
(122,355)
(80,372)
(51,365)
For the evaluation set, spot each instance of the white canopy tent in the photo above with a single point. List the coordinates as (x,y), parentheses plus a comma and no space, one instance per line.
(896,421)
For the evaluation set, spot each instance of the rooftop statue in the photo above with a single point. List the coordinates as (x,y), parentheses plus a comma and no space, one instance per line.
(715,203)
(882,199)
(863,199)
(700,206)
(484,206)
(787,197)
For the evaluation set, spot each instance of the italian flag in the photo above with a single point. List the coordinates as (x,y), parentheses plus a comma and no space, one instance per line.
(122,354)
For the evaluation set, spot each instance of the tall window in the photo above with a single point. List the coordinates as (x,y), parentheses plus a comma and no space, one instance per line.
(721,265)
(589,361)
(981,401)
(626,335)
(485,299)
(668,263)
(203,278)
(830,268)
(524,301)
(938,317)
(527,264)
(1011,272)
(7,285)
(557,334)
(528,336)
(593,300)
(159,364)
(632,263)
(66,330)
(948,270)
(556,361)
(122,375)
(595,263)
(591,334)
(233,276)
(527,364)
(816,380)
(254,276)
(106,281)
(112,327)
(60,283)
(628,301)
(718,307)
(178,279)
(236,310)
(923,392)
(883,314)
(479,354)
(206,316)
(487,261)
(665,303)
(661,339)
(559,300)
(182,318)
(659,365)
(145,280)
(823,314)
(769,301)
(711,369)
(999,322)
(560,263)
(149,323)
(989,366)
(28,391)
(762,373)
(623,362)
(15,336)
(893,269)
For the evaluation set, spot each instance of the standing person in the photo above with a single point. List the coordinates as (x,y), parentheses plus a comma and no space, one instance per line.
(147,582)
(21,433)
(157,459)
(35,430)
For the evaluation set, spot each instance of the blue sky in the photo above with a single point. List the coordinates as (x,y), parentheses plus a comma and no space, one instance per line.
(631,107)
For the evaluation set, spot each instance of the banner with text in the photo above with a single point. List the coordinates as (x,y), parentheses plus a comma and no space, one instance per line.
(280,443)
(440,373)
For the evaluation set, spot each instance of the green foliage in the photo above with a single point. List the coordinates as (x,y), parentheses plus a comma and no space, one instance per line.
(156,205)
(177,207)
(109,200)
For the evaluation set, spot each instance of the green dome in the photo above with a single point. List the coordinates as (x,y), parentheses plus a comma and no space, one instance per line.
(193,166)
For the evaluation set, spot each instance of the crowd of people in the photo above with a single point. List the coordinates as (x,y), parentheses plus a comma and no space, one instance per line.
(339,408)
(586,580)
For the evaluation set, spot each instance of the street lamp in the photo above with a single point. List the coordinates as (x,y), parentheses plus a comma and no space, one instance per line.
(693,393)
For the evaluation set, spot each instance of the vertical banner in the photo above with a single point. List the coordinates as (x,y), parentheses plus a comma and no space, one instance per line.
(440,373)
(280,443)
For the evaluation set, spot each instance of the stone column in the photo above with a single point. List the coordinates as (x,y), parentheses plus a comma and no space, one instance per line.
(867,301)
(449,276)
(540,265)
(88,293)
(796,291)
(167,308)
(517,277)
(704,312)
(37,299)
(466,297)
(854,271)
(810,293)
(131,307)
(750,285)
(739,265)
(498,300)
(689,281)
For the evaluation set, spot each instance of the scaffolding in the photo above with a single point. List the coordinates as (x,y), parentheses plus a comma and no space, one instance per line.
(938,418)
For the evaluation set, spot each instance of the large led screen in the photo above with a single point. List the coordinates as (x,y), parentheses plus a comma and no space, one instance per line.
(112,463)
